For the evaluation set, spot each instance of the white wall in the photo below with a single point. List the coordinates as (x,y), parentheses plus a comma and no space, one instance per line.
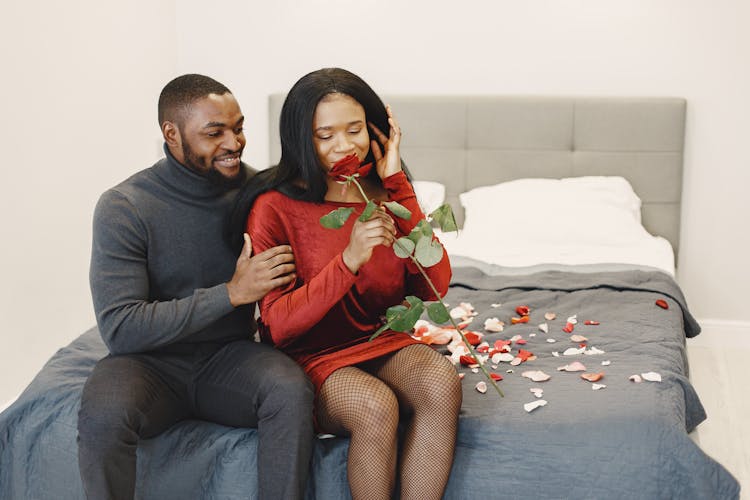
(80,81)
(78,92)
(690,48)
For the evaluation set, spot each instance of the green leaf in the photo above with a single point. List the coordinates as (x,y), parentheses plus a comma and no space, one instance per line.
(398,209)
(403,247)
(443,215)
(423,228)
(405,321)
(414,300)
(438,313)
(401,318)
(394,311)
(336,218)
(367,212)
(428,252)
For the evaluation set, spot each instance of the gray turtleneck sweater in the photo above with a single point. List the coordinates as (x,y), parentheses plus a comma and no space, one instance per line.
(160,262)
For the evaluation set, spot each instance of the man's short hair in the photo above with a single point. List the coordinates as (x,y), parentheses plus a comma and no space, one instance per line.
(177,96)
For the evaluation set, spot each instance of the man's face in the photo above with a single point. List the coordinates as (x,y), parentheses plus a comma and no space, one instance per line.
(212,139)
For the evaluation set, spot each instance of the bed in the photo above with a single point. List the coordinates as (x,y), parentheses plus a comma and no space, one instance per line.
(536,182)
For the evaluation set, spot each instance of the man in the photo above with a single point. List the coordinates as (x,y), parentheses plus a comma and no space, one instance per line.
(174,306)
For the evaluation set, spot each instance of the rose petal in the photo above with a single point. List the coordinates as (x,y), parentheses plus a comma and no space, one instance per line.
(575,366)
(536,391)
(496,377)
(544,327)
(568,328)
(461,376)
(483,348)
(549,316)
(493,325)
(502,357)
(481,387)
(591,322)
(651,376)
(593,350)
(499,344)
(596,387)
(556,354)
(606,363)
(522,319)
(524,355)
(523,310)
(473,338)
(662,303)
(592,377)
(466,360)
(521,342)
(529,407)
(496,305)
(635,378)
(578,338)
(572,351)
(536,375)
(551,341)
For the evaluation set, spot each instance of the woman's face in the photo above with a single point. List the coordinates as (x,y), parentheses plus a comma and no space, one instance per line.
(339,129)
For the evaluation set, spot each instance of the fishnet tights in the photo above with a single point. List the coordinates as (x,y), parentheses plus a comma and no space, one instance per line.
(364,403)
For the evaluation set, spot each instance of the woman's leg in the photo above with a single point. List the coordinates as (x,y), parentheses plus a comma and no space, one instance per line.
(426,385)
(352,402)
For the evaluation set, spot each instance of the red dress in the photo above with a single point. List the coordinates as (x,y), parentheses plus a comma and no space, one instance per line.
(324,319)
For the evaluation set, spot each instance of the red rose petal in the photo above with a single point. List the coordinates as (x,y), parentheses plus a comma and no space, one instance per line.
(662,303)
(521,341)
(522,319)
(473,338)
(524,355)
(591,322)
(500,343)
(523,310)
(496,377)
(466,360)
(568,328)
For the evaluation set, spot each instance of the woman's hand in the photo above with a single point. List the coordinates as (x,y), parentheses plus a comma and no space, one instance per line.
(378,230)
(388,163)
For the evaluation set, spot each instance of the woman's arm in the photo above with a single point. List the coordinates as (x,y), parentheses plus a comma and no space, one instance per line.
(289,312)
(400,189)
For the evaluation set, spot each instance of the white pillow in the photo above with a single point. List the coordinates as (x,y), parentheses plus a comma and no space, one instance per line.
(582,210)
(430,195)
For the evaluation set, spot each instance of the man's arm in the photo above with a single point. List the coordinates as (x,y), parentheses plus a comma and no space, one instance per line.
(127,320)
(130,322)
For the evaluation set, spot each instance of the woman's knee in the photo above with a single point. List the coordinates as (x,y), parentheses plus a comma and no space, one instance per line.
(434,381)
(360,403)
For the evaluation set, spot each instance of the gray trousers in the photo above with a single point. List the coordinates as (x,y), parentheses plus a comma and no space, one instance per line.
(240,384)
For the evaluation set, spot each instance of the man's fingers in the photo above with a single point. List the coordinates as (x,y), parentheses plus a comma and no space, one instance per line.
(281,270)
(247,248)
(274,251)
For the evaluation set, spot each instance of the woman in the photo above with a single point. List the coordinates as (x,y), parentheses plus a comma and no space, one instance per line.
(346,279)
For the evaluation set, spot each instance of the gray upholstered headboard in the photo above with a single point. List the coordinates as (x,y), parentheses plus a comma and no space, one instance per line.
(470,141)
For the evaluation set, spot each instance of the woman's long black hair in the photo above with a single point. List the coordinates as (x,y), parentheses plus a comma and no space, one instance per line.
(299,173)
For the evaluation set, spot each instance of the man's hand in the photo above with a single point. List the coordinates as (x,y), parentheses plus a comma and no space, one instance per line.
(255,276)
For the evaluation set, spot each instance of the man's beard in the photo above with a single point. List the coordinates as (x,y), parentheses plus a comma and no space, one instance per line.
(209,172)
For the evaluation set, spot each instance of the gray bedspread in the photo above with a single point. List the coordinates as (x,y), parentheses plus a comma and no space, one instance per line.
(628,440)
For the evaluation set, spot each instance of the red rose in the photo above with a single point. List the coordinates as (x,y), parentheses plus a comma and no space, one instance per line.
(348,166)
